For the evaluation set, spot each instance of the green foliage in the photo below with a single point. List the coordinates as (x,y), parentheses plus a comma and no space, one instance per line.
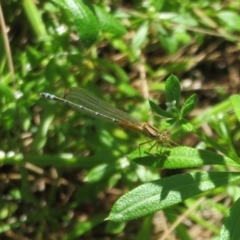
(163,193)
(179,157)
(172,89)
(230,229)
(89,19)
(235,99)
(159,110)
(189,105)
(62,171)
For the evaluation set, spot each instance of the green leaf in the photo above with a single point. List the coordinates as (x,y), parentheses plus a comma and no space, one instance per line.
(186,126)
(189,105)
(84,18)
(140,36)
(157,4)
(217,146)
(81,227)
(34,16)
(230,228)
(179,157)
(235,101)
(60,3)
(173,89)
(166,192)
(40,137)
(231,19)
(159,110)
(145,231)
(7,210)
(100,172)
(168,42)
(115,227)
(107,22)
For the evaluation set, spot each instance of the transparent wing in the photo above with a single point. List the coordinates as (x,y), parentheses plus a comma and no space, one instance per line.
(85,102)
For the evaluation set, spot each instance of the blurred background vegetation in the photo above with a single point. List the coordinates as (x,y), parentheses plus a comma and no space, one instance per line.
(62,171)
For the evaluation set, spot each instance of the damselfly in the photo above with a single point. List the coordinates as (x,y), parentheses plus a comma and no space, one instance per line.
(87,103)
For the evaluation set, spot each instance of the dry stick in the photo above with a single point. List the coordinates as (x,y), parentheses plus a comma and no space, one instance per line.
(7,47)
